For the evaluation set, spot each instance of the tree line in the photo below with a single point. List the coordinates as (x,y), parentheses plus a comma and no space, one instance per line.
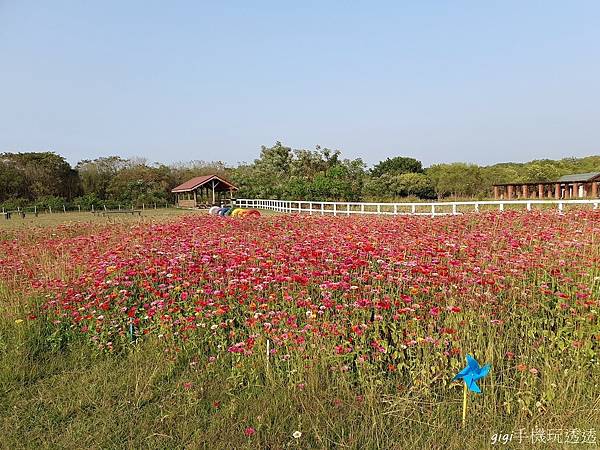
(47,179)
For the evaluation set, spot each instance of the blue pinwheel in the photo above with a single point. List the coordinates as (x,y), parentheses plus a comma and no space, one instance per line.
(472,373)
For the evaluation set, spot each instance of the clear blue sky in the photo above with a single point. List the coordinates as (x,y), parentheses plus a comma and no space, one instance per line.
(476,81)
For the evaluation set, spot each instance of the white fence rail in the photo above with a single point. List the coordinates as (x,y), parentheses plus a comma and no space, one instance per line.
(423,209)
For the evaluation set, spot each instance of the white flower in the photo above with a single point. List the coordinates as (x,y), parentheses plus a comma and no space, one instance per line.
(297,434)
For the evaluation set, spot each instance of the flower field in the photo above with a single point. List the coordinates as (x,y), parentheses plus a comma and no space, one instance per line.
(389,306)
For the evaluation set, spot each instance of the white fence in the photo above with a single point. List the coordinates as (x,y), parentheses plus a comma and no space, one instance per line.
(423,209)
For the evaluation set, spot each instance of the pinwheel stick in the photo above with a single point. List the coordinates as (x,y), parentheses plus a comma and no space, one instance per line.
(464,417)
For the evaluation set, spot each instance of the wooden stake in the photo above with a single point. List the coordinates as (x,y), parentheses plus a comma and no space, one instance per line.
(464,415)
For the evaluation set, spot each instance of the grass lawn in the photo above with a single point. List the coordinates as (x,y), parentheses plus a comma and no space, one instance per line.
(54,219)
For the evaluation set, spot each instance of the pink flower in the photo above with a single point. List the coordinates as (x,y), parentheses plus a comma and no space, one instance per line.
(434,311)
(249,431)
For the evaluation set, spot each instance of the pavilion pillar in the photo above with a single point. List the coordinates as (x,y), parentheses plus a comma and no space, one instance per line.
(575,190)
(195,200)
(540,190)
(557,191)
(525,191)
(496,192)
(510,191)
(595,189)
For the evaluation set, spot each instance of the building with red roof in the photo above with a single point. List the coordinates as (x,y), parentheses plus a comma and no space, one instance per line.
(204,191)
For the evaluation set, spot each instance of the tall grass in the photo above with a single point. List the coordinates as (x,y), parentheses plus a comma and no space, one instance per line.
(68,395)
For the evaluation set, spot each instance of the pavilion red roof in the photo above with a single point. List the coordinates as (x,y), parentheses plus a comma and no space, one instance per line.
(196,182)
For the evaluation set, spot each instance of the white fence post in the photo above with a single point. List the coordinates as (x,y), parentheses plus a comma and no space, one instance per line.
(335,209)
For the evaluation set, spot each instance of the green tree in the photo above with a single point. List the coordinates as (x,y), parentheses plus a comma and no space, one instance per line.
(379,188)
(300,174)
(141,184)
(13,183)
(307,164)
(390,187)
(40,174)
(397,166)
(181,172)
(96,175)
(414,185)
(342,182)
(456,179)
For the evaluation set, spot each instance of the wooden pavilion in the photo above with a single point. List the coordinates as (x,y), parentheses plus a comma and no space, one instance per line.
(579,185)
(204,191)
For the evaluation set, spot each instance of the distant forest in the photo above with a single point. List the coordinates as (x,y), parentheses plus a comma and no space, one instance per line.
(47,179)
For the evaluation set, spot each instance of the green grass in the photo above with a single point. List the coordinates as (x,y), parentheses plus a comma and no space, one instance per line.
(54,219)
(147,397)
